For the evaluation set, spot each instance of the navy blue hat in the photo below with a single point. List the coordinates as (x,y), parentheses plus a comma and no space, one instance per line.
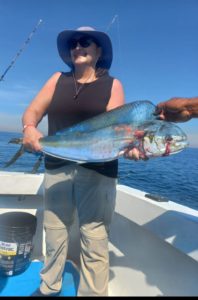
(101,38)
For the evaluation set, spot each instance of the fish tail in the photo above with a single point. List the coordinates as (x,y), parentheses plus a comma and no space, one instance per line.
(18,154)
(37,164)
(16,141)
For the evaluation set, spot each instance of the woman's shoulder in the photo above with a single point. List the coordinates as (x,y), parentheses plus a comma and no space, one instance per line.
(60,73)
(66,74)
(116,83)
(59,76)
(54,77)
(112,78)
(106,77)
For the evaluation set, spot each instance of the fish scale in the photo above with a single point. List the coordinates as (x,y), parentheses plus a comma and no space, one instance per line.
(103,144)
(139,112)
(153,139)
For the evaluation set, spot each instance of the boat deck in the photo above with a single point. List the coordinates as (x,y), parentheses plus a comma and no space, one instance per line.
(26,283)
(153,246)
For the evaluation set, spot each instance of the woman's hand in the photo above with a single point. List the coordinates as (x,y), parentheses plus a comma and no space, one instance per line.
(31,139)
(134,154)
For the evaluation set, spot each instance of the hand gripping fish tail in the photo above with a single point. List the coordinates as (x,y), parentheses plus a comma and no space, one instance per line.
(20,152)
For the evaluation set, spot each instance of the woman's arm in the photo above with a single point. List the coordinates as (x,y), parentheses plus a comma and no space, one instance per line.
(117,95)
(35,112)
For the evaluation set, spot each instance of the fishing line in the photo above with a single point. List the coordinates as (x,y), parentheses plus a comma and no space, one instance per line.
(111,23)
(115,20)
(21,50)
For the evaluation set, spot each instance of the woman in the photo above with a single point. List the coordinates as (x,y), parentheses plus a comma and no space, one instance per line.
(68,98)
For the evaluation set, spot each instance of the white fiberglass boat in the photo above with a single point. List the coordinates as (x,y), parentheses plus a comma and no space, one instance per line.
(153,244)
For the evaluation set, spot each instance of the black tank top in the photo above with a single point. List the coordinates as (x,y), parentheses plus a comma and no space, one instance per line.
(65,111)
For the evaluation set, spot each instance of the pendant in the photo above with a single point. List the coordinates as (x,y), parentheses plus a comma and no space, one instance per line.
(75,96)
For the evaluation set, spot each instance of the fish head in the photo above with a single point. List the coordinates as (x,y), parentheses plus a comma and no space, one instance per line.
(163,138)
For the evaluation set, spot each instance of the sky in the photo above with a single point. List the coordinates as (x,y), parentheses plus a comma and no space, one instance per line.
(155,49)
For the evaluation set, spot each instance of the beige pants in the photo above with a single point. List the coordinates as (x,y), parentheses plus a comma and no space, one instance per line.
(93,195)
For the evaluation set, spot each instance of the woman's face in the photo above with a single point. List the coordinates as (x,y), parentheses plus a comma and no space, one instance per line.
(84,51)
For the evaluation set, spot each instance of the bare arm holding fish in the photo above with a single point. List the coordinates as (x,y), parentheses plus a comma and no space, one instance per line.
(178,109)
(35,112)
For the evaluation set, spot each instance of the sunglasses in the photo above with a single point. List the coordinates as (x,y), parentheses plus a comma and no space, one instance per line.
(84,42)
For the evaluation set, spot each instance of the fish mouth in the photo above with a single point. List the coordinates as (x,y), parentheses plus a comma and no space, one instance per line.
(178,146)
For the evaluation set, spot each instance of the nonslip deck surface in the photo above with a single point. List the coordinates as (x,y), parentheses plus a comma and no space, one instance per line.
(27,282)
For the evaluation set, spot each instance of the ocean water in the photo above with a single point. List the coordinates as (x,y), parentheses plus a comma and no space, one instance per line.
(175,176)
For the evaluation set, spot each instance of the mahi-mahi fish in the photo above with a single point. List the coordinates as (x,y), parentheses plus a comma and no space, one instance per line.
(107,136)
(152,139)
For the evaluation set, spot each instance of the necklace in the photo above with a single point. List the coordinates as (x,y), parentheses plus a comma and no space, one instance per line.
(78,89)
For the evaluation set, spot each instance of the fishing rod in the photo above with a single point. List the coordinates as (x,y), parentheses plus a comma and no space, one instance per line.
(21,50)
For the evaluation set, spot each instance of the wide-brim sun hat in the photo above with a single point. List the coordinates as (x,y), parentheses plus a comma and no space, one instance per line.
(101,38)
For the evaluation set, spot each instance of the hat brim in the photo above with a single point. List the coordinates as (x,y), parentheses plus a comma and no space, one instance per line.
(103,40)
